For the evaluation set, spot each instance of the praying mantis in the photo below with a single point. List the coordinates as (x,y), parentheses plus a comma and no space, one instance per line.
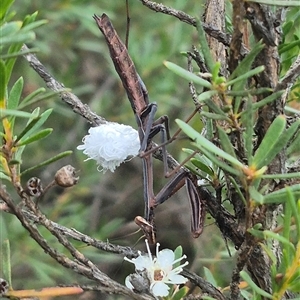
(144,112)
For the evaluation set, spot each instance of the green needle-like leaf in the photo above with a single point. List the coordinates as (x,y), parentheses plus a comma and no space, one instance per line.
(245,76)
(280,196)
(292,202)
(202,141)
(15,94)
(256,288)
(2,84)
(225,142)
(247,119)
(5,4)
(213,116)
(216,161)
(267,147)
(10,28)
(266,100)
(31,96)
(48,162)
(245,65)
(6,263)
(26,129)
(17,38)
(205,47)
(278,2)
(16,113)
(42,119)
(187,75)
(215,108)
(201,166)
(206,95)
(38,136)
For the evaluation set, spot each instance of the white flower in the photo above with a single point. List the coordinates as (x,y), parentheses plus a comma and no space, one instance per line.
(110,144)
(159,270)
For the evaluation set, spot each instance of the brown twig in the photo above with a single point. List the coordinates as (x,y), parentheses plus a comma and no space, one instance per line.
(184,17)
(81,264)
(62,231)
(291,76)
(68,97)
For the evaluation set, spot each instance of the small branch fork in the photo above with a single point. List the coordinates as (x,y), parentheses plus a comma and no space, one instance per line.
(81,264)
(182,16)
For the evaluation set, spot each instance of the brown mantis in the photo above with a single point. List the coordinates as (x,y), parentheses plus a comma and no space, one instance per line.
(148,128)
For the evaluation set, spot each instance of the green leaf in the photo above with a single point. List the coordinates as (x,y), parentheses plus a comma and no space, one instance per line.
(205,47)
(24,37)
(266,149)
(16,46)
(237,188)
(215,71)
(201,166)
(178,254)
(213,116)
(280,196)
(20,53)
(206,95)
(5,4)
(225,142)
(245,76)
(15,94)
(294,146)
(245,65)
(16,113)
(287,220)
(41,120)
(292,202)
(251,283)
(4,177)
(266,100)
(202,141)
(256,195)
(281,176)
(33,24)
(48,162)
(278,2)
(41,97)
(217,162)
(29,19)
(181,293)
(215,108)
(252,91)
(31,96)
(5,259)
(209,276)
(2,84)
(247,119)
(10,28)
(286,47)
(187,75)
(276,236)
(27,128)
(38,136)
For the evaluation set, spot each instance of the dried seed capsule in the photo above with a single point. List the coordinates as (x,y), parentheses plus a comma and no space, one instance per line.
(66,176)
(34,187)
(3,287)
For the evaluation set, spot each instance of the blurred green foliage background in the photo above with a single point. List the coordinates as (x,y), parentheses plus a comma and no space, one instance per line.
(104,205)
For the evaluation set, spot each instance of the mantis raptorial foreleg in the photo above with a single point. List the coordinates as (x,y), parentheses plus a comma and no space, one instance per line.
(148,128)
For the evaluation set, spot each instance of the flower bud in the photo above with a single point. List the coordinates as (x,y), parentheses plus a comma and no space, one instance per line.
(66,176)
